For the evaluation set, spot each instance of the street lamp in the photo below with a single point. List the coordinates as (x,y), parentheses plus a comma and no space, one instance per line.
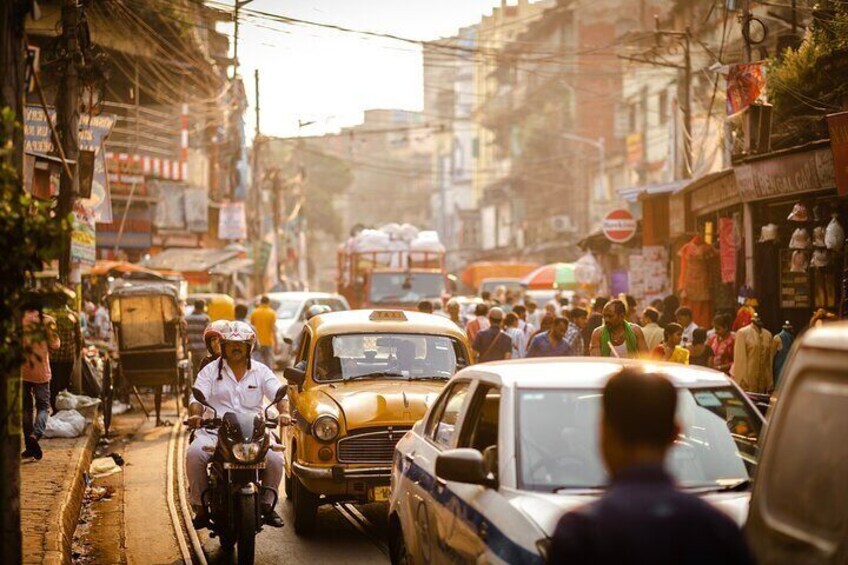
(600,145)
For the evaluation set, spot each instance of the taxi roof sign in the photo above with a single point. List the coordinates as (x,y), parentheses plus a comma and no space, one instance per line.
(388,316)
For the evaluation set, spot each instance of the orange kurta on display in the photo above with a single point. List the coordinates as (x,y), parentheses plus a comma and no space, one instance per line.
(695,282)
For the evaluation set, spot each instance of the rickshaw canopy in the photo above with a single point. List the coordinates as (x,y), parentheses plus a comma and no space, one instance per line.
(144,312)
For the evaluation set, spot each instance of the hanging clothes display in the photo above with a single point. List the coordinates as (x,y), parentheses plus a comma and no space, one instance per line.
(782,344)
(695,282)
(753,357)
(727,249)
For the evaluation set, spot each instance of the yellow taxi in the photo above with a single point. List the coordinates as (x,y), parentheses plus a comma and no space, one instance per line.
(361,379)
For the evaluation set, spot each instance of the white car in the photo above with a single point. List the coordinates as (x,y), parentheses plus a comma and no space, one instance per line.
(291,310)
(508,447)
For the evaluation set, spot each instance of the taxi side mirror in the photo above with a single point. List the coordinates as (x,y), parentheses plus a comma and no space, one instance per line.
(295,376)
(464,465)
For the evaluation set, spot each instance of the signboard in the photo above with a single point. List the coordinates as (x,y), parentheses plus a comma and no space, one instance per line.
(83,239)
(635,149)
(619,226)
(232,223)
(837,125)
(786,175)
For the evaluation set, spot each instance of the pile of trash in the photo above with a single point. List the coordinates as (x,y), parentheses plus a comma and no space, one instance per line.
(396,246)
(73,413)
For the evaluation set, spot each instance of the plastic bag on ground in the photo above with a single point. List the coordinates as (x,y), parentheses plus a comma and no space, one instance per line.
(65,423)
(85,405)
(103,467)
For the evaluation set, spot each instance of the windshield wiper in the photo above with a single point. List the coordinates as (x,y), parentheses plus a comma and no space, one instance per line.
(581,490)
(739,486)
(430,377)
(377,374)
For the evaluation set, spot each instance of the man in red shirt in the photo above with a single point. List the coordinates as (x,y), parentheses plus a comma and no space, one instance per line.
(40,336)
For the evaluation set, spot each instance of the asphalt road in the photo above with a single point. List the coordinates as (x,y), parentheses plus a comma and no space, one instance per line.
(336,540)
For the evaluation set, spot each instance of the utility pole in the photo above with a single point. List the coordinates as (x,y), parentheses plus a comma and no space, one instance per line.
(12,57)
(256,192)
(238,6)
(683,39)
(67,119)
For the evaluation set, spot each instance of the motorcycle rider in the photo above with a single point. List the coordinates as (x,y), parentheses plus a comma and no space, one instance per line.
(212,336)
(234,383)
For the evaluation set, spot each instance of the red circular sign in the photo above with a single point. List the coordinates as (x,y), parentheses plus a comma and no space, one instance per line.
(619,226)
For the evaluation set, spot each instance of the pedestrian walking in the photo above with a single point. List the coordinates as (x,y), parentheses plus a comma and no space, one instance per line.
(722,342)
(196,323)
(479,323)
(670,349)
(526,327)
(453,311)
(492,344)
(62,360)
(617,337)
(534,315)
(40,336)
(519,340)
(552,343)
(643,517)
(651,328)
(700,353)
(595,320)
(577,318)
(264,322)
(669,310)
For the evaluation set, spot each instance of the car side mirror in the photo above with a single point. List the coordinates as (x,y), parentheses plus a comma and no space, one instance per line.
(295,376)
(464,465)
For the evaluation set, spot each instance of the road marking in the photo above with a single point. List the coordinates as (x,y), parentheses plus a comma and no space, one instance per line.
(358,520)
(169,495)
(181,489)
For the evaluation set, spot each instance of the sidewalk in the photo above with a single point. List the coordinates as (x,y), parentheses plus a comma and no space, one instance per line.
(51,495)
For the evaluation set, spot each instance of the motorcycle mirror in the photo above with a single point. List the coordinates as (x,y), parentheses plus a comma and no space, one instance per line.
(199,396)
(281,393)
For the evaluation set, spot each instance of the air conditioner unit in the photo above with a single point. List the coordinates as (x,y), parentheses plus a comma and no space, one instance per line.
(562,224)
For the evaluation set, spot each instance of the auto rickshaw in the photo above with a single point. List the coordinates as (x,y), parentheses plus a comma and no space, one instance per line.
(149,337)
(218,306)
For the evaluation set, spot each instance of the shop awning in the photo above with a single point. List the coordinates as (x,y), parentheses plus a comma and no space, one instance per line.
(189,260)
(237,265)
(632,193)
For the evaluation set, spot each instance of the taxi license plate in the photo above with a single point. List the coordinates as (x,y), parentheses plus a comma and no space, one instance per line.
(380,494)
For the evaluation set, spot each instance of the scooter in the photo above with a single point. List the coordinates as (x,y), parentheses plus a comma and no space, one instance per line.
(235,488)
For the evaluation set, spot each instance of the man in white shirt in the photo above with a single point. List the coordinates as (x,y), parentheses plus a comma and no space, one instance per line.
(651,328)
(519,341)
(237,384)
(684,318)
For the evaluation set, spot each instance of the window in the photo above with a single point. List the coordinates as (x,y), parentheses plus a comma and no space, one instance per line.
(480,431)
(445,417)
(663,107)
(303,349)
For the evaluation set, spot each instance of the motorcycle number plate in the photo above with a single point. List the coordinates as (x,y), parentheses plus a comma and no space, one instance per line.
(244,466)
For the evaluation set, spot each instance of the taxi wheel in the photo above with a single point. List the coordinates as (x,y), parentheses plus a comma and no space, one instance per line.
(305,509)
(397,546)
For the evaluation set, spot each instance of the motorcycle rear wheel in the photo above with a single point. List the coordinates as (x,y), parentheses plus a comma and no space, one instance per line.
(246,534)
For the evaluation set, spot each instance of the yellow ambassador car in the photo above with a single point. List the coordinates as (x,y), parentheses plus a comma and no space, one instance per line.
(361,379)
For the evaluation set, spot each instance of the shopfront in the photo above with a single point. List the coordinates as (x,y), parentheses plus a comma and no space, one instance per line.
(796,223)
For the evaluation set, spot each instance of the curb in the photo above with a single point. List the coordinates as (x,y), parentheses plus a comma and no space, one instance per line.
(62,521)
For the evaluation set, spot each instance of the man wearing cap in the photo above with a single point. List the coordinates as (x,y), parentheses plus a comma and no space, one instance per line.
(492,344)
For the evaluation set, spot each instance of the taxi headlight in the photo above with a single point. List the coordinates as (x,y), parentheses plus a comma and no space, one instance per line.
(246,452)
(325,428)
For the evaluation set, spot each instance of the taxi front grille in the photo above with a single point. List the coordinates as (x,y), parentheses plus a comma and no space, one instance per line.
(370,447)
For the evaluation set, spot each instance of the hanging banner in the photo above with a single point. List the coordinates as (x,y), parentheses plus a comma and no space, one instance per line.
(231,221)
(745,84)
(83,238)
(837,125)
(170,211)
(101,199)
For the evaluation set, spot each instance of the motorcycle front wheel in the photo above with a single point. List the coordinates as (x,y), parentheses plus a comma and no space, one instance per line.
(246,529)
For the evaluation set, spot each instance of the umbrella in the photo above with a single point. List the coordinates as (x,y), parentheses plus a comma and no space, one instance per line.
(552,276)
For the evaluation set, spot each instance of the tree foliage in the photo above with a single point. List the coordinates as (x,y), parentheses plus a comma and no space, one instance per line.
(30,235)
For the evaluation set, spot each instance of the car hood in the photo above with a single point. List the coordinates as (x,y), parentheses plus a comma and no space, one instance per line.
(369,403)
(545,509)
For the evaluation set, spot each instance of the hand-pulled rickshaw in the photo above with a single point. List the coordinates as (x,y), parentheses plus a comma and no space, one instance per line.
(149,338)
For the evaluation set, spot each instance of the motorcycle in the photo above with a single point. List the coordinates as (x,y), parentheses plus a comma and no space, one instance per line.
(232,500)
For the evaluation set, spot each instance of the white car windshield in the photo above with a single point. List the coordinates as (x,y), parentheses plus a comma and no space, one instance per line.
(558,443)
(286,309)
(375,355)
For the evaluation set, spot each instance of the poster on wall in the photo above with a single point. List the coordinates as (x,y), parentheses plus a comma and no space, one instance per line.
(655,272)
(231,221)
(83,239)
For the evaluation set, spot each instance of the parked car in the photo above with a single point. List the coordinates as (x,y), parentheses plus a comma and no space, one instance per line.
(799,508)
(291,310)
(508,447)
(361,379)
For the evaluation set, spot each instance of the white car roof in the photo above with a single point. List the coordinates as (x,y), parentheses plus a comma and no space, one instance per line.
(587,372)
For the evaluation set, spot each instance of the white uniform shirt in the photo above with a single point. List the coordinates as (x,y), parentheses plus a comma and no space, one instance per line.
(251,394)
(688,331)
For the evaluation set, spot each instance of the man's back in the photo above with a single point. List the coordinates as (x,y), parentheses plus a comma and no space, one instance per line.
(644,519)
(195,325)
(263,319)
(492,344)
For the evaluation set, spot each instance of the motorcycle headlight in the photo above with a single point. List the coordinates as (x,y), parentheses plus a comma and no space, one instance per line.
(246,452)
(325,428)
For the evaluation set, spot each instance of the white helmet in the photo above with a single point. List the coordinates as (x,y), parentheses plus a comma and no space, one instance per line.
(239,331)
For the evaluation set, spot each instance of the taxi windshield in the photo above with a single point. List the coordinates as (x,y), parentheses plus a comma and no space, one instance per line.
(383,355)
(405,288)
(558,441)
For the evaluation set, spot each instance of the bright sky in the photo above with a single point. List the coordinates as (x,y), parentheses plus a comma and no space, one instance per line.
(330,77)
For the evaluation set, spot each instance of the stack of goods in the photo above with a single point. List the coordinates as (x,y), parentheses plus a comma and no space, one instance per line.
(396,246)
